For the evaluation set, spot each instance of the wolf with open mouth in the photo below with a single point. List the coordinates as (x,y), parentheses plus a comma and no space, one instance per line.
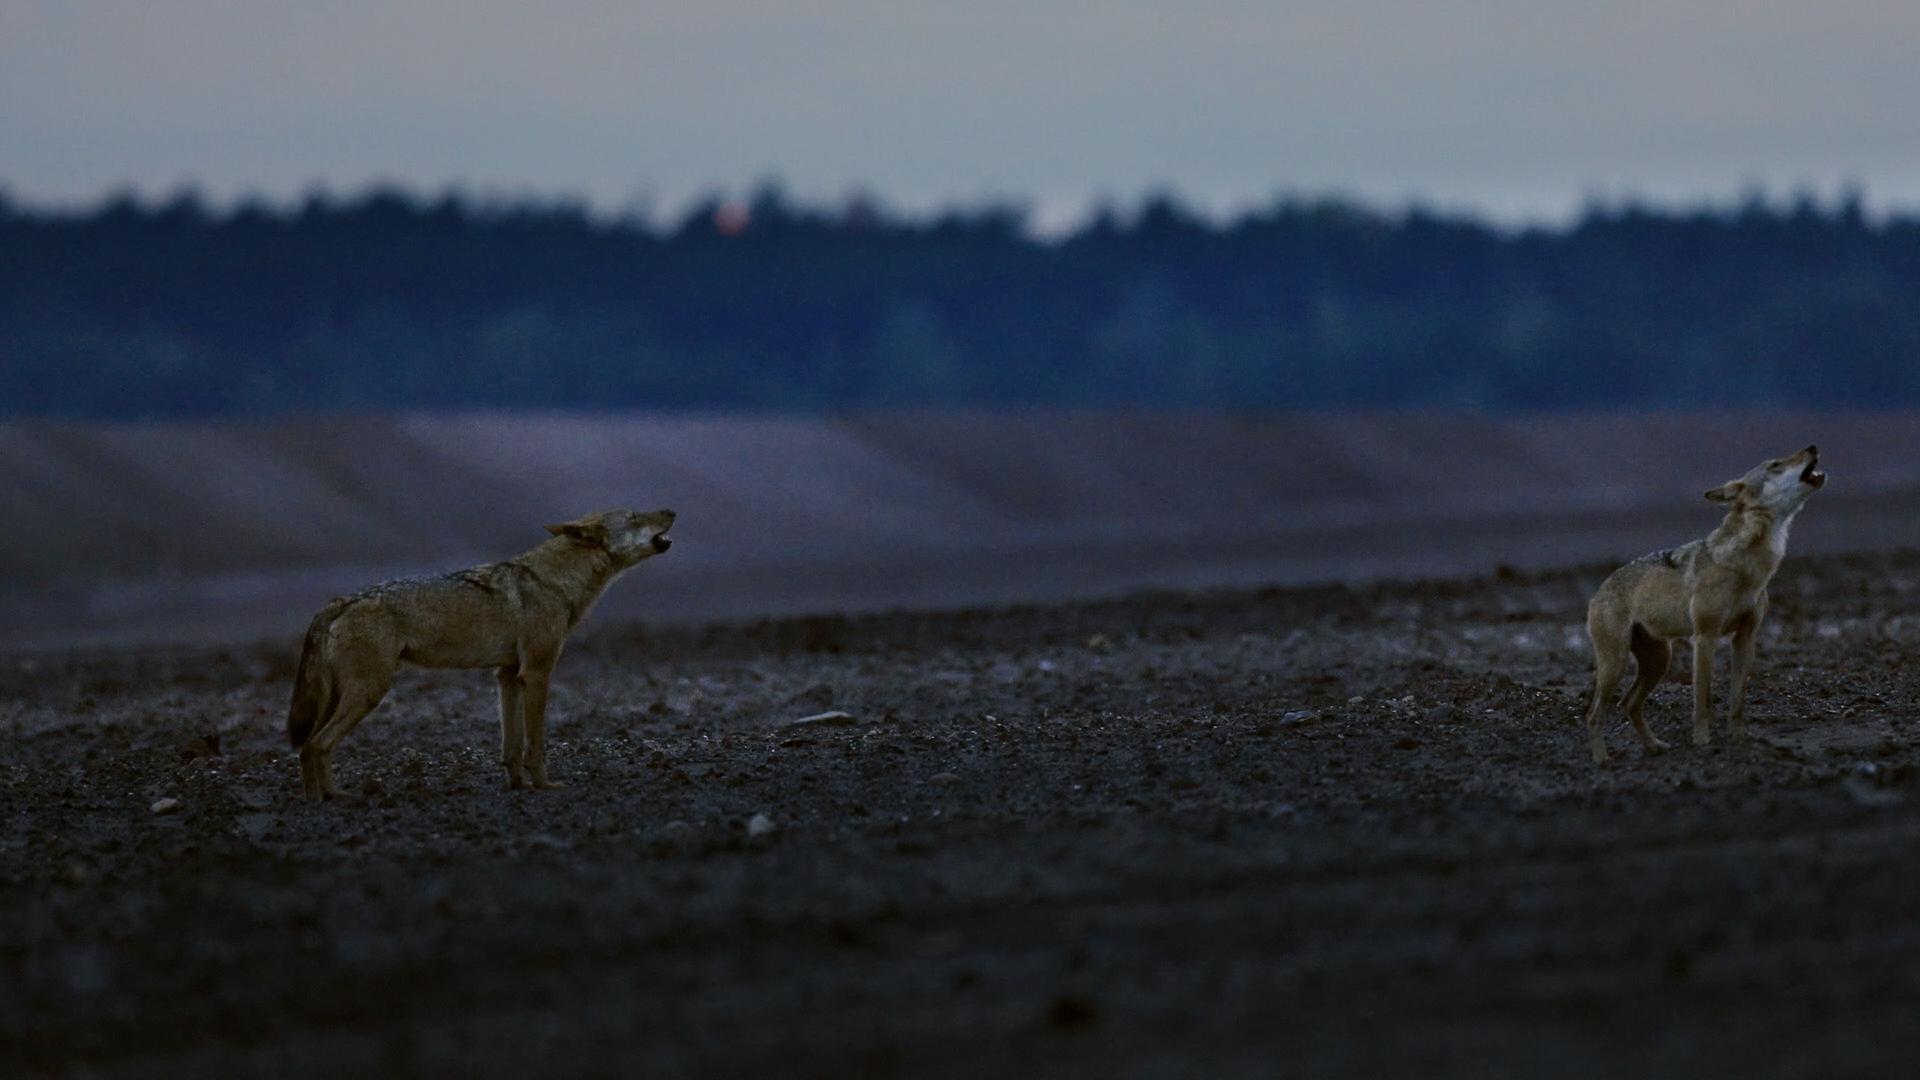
(1703,590)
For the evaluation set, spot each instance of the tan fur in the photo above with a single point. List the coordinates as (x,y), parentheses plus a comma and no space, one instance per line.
(511,616)
(1703,590)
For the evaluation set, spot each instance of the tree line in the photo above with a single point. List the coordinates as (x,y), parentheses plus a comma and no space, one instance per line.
(389,300)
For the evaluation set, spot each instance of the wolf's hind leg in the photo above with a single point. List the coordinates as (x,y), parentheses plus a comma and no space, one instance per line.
(513,726)
(310,783)
(1609,665)
(316,773)
(362,677)
(1653,657)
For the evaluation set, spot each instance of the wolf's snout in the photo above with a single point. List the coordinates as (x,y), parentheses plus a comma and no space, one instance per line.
(1811,475)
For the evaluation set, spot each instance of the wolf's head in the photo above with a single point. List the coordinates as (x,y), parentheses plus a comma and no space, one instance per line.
(628,535)
(1781,485)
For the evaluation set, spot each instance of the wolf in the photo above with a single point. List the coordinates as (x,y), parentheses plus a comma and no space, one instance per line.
(1704,590)
(511,616)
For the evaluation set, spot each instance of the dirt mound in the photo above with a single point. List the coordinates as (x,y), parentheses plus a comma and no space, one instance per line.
(130,532)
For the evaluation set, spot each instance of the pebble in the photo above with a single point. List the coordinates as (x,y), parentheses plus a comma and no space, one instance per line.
(833,718)
(759,825)
(165,806)
(944,778)
(1073,1012)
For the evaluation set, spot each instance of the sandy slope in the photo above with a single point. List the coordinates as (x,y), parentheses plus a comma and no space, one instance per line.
(1329,831)
(230,532)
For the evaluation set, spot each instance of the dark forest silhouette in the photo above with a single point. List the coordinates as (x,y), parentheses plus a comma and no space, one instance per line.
(389,301)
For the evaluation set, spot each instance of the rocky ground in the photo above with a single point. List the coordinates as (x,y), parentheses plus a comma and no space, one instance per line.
(1293,832)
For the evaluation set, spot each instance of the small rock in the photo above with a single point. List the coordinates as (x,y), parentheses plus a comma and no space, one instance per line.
(1298,717)
(759,825)
(204,746)
(944,778)
(834,718)
(165,806)
(1100,643)
(1072,1012)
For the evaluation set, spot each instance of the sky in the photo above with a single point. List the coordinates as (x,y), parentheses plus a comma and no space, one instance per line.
(1518,110)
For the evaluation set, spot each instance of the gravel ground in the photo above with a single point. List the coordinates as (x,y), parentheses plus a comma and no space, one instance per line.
(1328,831)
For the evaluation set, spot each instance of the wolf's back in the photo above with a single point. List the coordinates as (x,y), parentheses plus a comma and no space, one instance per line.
(312,688)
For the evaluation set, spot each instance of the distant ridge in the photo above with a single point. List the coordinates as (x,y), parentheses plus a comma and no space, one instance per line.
(124,531)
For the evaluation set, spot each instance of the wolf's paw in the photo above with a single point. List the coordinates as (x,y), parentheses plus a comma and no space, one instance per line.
(544,784)
(1701,738)
(1656,745)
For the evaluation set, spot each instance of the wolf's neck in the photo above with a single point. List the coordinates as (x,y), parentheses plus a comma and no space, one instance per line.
(581,572)
(1749,531)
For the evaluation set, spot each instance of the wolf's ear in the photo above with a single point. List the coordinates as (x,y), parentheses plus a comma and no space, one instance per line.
(573,530)
(1727,492)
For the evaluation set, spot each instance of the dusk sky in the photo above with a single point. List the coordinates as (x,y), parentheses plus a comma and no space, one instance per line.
(1519,109)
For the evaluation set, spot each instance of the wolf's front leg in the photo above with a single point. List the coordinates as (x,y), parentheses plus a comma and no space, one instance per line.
(1743,636)
(536,707)
(513,727)
(1703,642)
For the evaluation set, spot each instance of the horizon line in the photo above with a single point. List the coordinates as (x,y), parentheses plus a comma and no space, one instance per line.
(1036,218)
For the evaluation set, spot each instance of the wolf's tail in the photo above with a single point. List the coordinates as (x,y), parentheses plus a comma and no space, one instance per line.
(312,686)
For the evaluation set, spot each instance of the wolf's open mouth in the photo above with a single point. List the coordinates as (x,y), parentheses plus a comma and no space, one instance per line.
(1811,475)
(662,542)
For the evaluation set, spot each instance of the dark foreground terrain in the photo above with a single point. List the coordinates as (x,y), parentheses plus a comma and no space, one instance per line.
(1301,832)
